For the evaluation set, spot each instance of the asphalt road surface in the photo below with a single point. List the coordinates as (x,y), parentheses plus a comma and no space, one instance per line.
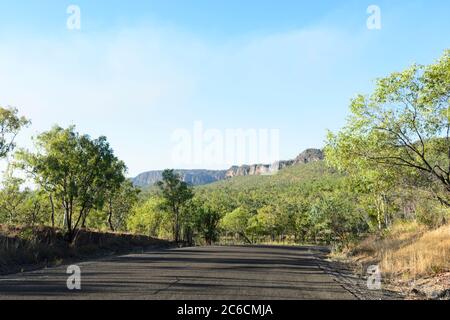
(220,273)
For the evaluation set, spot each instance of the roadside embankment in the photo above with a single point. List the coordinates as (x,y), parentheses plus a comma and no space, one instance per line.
(26,248)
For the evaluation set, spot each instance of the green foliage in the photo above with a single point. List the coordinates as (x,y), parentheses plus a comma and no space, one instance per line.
(400,130)
(275,208)
(22,206)
(206,221)
(150,218)
(335,219)
(118,206)
(396,146)
(10,125)
(12,201)
(431,214)
(176,193)
(237,222)
(120,202)
(76,170)
(303,203)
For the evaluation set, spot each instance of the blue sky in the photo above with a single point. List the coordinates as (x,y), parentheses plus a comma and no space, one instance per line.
(137,71)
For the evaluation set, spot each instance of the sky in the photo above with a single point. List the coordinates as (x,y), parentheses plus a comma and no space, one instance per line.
(142,72)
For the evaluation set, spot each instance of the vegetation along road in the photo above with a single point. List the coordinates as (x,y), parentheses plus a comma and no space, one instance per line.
(240,272)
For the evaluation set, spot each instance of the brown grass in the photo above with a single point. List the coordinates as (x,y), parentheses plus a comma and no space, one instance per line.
(428,255)
(408,251)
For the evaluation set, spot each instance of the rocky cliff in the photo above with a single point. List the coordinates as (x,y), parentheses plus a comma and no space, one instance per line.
(309,155)
(201,177)
(257,169)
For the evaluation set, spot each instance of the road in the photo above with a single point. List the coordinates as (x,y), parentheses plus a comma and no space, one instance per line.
(221,273)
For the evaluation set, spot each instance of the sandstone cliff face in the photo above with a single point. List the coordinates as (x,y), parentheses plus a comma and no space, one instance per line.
(257,169)
(201,177)
(307,156)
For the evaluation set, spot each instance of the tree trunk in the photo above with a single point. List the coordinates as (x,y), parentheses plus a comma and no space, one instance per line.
(110,213)
(176,226)
(83,220)
(245,238)
(53,210)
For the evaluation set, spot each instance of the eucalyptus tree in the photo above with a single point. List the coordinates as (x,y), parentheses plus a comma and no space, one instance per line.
(121,196)
(176,193)
(237,223)
(205,220)
(400,130)
(76,168)
(10,125)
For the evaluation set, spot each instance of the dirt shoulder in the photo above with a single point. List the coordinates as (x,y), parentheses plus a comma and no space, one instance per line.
(345,273)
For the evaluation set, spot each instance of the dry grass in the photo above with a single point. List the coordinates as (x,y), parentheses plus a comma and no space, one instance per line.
(408,251)
(428,255)
(398,236)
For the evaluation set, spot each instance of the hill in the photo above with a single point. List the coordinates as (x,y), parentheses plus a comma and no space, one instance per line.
(193,177)
(301,173)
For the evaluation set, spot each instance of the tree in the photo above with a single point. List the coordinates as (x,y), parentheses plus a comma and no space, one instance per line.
(76,169)
(402,128)
(20,205)
(334,219)
(237,222)
(10,125)
(150,218)
(176,193)
(120,201)
(206,221)
(265,222)
(11,200)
